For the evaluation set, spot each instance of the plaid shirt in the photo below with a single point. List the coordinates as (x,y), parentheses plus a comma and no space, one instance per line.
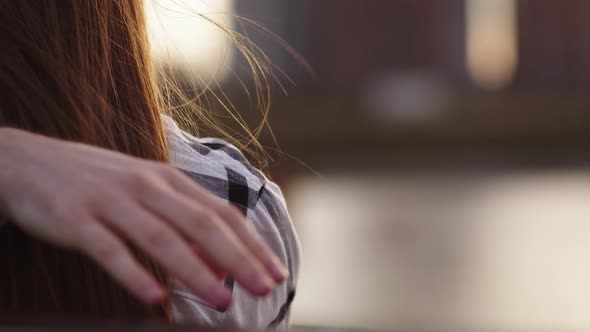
(221,168)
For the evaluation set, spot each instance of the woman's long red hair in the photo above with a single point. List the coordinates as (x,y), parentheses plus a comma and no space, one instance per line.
(77,70)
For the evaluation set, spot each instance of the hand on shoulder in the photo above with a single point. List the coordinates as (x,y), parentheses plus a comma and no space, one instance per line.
(94,200)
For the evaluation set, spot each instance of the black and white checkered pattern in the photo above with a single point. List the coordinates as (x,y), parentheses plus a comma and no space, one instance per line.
(222,168)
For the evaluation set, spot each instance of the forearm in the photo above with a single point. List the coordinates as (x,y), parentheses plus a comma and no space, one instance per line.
(19,162)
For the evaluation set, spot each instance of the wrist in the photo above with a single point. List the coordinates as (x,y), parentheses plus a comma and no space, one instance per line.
(9,140)
(11,161)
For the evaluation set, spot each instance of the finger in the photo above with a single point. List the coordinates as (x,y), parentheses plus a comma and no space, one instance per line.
(167,248)
(210,263)
(112,255)
(236,221)
(246,232)
(216,240)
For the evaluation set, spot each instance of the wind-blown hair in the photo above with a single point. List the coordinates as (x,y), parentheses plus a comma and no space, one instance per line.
(79,70)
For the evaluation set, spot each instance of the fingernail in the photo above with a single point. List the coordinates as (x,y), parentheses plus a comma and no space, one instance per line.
(262,284)
(278,272)
(153,295)
(220,297)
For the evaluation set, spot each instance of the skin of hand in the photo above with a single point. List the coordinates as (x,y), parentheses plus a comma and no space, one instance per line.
(94,200)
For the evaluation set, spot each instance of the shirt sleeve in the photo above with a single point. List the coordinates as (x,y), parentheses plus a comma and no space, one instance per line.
(272,209)
(221,168)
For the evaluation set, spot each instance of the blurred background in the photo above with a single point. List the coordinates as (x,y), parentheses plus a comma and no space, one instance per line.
(436,162)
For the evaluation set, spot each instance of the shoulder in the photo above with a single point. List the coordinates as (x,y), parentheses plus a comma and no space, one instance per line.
(216,165)
(222,168)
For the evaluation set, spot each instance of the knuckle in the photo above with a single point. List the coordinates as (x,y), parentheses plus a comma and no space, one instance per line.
(105,251)
(207,219)
(140,179)
(160,238)
(87,236)
(64,211)
(233,218)
(167,171)
(55,207)
(245,263)
(103,195)
(231,214)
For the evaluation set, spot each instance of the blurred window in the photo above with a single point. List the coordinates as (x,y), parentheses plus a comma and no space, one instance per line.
(492,45)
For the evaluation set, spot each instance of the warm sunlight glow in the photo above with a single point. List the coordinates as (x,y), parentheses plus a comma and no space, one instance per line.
(179,35)
(492,50)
